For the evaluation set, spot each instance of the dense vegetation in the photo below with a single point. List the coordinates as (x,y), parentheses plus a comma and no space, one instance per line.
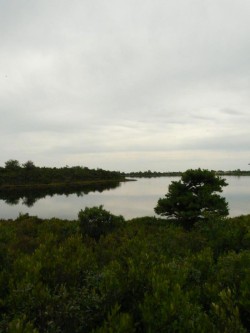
(144,275)
(28,174)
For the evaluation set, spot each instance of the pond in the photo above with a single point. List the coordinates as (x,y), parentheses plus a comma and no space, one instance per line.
(130,199)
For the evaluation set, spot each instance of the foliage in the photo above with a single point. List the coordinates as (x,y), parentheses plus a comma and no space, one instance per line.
(97,221)
(147,276)
(29,165)
(12,165)
(117,322)
(193,197)
(20,325)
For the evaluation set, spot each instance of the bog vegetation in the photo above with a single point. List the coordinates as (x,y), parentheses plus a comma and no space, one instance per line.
(102,274)
(142,275)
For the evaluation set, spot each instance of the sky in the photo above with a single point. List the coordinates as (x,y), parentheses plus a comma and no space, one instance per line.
(161,85)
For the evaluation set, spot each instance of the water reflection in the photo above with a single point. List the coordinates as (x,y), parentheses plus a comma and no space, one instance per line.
(130,199)
(30,196)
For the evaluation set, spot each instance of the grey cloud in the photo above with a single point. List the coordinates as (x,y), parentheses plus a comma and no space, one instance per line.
(228,142)
(123,76)
(232,112)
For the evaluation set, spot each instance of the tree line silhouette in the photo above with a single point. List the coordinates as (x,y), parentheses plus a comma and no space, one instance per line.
(29,174)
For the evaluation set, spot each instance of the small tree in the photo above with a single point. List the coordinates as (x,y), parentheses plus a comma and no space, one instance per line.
(194,197)
(29,165)
(12,165)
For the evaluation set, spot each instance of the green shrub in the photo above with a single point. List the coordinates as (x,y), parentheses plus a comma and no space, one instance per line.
(96,222)
(21,325)
(117,322)
(167,308)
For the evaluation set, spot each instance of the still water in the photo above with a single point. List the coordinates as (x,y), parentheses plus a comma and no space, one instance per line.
(130,199)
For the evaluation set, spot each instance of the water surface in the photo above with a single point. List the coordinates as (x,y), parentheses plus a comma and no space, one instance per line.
(130,199)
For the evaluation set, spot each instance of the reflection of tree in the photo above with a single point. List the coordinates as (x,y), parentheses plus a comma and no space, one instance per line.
(29,201)
(12,201)
(30,195)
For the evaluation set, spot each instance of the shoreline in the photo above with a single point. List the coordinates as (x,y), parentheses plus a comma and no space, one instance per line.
(56,185)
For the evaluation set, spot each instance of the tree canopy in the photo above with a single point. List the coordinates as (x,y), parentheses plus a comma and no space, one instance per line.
(194,197)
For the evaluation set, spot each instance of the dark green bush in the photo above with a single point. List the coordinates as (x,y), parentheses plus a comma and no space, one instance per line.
(97,221)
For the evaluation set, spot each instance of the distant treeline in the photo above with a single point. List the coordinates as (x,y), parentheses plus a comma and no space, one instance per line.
(151,174)
(28,174)
(237,172)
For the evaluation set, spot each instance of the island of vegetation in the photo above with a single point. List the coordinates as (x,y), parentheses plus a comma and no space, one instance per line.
(30,175)
(188,272)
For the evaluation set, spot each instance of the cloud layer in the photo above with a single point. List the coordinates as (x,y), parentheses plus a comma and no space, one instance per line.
(126,85)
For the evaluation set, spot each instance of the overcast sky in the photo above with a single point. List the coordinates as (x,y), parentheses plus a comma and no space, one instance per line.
(126,84)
